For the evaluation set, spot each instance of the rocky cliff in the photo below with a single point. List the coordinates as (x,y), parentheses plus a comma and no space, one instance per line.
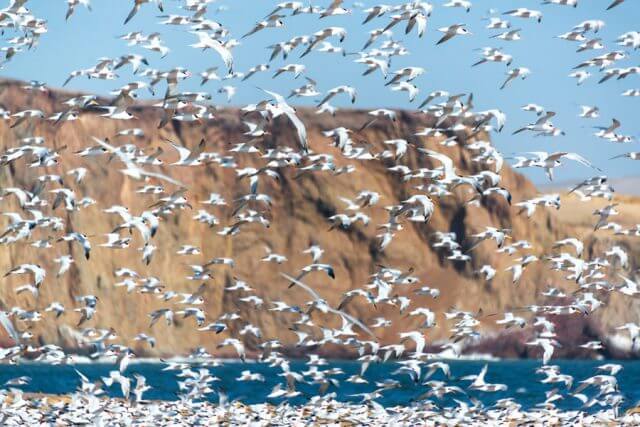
(301,206)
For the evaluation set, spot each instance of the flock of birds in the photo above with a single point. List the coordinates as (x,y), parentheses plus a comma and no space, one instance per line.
(455,123)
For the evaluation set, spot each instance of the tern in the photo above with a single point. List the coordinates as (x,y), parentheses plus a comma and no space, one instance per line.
(452,31)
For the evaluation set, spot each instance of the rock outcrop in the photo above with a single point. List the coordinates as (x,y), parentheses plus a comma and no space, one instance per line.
(301,206)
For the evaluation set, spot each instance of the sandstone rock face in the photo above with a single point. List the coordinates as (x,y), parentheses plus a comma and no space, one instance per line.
(301,206)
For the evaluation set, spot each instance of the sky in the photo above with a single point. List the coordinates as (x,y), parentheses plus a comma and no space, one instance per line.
(90,35)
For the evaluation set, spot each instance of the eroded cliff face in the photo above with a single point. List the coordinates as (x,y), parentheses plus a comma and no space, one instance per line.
(301,206)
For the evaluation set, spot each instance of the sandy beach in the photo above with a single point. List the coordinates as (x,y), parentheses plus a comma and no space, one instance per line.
(78,409)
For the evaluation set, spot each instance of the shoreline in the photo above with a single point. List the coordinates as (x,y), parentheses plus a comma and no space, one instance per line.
(83,360)
(79,409)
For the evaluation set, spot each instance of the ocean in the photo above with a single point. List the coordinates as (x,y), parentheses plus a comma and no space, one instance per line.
(519,375)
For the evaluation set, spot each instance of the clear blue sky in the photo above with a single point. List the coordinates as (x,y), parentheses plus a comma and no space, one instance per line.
(90,35)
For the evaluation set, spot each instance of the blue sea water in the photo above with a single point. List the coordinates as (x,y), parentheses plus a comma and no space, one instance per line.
(518,375)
